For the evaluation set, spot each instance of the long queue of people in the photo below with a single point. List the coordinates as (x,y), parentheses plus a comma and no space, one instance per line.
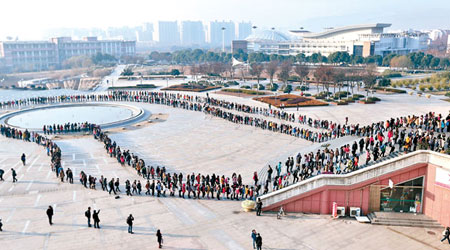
(401,135)
(194,102)
(197,103)
(372,132)
(157,180)
(68,128)
(53,150)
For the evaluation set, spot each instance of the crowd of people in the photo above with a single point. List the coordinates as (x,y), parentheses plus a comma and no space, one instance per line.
(158,181)
(68,128)
(53,150)
(378,140)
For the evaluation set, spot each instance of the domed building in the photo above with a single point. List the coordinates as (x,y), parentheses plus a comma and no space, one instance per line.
(267,35)
(268,42)
(362,40)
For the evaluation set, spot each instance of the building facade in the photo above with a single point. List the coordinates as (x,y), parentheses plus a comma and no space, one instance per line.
(43,55)
(168,33)
(192,33)
(216,35)
(362,40)
(244,30)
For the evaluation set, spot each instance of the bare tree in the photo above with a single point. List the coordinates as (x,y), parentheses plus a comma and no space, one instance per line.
(256,70)
(285,71)
(370,78)
(339,77)
(325,74)
(243,72)
(302,71)
(271,69)
(229,67)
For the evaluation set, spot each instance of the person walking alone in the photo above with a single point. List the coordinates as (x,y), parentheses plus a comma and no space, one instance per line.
(159,238)
(88,215)
(23,159)
(96,219)
(130,220)
(258,207)
(14,174)
(446,235)
(50,215)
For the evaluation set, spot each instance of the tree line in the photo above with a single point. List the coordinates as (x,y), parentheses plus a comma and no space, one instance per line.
(414,60)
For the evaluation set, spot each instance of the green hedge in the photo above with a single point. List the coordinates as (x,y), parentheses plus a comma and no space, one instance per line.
(138,86)
(392,90)
(245,91)
(373,99)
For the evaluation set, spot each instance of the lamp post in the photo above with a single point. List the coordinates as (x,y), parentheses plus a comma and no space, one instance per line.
(223,39)
(254,28)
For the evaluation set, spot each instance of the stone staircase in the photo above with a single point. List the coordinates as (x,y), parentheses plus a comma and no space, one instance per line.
(402,219)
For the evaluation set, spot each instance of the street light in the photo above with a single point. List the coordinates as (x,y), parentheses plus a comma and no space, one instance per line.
(254,27)
(223,39)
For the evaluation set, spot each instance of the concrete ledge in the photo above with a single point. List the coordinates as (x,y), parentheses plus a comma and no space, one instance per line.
(138,114)
(382,168)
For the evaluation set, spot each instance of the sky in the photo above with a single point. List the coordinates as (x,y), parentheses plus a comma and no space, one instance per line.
(29,19)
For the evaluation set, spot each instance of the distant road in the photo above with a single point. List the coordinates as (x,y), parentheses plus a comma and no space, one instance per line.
(107,81)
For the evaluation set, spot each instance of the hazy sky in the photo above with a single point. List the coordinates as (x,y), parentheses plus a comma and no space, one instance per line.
(29,18)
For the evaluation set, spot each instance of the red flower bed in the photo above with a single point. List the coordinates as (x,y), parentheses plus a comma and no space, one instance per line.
(290,101)
(190,88)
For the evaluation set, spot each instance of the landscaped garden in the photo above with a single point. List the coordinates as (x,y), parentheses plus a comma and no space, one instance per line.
(290,100)
(435,83)
(245,91)
(191,87)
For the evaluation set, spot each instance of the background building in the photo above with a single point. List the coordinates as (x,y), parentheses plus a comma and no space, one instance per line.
(43,55)
(215,33)
(192,33)
(145,34)
(363,40)
(244,30)
(167,33)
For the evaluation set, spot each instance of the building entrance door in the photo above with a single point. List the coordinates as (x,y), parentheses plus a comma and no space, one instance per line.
(403,197)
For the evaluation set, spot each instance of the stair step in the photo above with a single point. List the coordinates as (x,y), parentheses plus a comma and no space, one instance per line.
(395,223)
(404,219)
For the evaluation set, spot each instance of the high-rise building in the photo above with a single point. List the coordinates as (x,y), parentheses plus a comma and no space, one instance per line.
(215,33)
(145,33)
(192,33)
(167,33)
(244,30)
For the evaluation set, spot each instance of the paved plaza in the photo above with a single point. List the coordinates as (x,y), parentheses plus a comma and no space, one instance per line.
(187,141)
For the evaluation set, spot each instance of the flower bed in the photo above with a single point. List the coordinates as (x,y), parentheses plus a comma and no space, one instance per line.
(245,91)
(290,101)
(191,87)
